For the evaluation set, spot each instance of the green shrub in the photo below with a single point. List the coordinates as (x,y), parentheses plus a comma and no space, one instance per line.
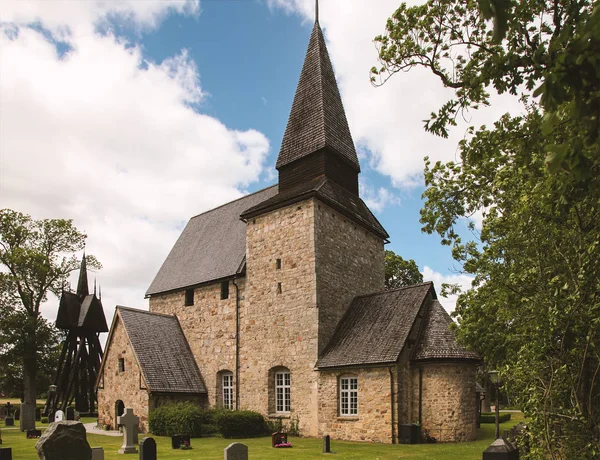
(241,424)
(490,417)
(44,419)
(172,419)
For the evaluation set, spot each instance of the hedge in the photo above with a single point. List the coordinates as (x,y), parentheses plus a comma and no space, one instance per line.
(490,417)
(241,424)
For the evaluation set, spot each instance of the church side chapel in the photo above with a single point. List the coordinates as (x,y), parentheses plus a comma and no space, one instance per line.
(275,303)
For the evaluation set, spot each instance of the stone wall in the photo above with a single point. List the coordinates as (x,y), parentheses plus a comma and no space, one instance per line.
(124,385)
(279,315)
(374,419)
(209,327)
(349,262)
(449,406)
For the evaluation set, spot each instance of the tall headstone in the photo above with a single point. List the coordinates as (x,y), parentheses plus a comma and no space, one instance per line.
(64,441)
(129,423)
(97,453)
(236,451)
(5,453)
(27,413)
(326,444)
(70,413)
(148,449)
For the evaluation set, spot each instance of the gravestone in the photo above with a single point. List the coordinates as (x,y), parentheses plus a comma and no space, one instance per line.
(236,451)
(326,444)
(8,406)
(0,437)
(70,413)
(64,441)
(129,423)
(97,453)
(9,421)
(59,416)
(33,433)
(5,453)
(148,449)
(179,439)
(38,414)
(27,413)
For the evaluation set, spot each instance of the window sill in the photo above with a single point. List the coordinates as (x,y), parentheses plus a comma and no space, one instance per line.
(285,416)
(348,418)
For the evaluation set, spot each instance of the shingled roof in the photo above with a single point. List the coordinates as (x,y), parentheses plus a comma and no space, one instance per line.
(375,327)
(162,351)
(438,341)
(330,193)
(317,118)
(212,246)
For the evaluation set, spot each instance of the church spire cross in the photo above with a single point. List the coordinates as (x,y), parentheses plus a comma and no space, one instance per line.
(316,10)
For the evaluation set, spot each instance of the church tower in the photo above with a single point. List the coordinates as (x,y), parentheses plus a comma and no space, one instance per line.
(310,249)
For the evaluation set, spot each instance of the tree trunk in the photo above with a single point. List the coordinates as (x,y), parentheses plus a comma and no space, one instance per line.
(487,385)
(29,375)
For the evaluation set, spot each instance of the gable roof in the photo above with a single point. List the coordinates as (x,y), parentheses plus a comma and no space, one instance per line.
(375,327)
(77,312)
(317,118)
(330,193)
(161,350)
(212,246)
(438,341)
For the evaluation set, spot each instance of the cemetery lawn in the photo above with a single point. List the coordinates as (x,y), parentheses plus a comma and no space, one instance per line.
(260,448)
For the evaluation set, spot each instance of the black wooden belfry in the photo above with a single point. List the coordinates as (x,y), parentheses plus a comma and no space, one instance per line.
(82,315)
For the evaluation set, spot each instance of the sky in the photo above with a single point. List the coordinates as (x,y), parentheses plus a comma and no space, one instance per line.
(129,117)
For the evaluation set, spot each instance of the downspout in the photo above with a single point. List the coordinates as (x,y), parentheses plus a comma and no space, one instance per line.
(392,402)
(237,345)
(420,395)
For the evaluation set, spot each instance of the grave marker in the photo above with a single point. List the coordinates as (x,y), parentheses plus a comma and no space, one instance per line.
(326,444)
(129,423)
(236,451)
(5,453)
(65,440)
(59,416)
(70,413)
(97,453)
(148,449)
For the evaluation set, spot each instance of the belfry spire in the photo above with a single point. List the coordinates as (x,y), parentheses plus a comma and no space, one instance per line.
(82,284)
(316,10)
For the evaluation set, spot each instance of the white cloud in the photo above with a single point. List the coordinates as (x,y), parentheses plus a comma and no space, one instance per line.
(377,198)
(103,137)
(388,121)
(449,303)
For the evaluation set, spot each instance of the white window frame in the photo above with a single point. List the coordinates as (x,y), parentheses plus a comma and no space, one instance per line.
(282,392)
(227,390)
(349,396)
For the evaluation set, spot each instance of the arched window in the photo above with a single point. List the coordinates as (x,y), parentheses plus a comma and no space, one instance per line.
(348,385)
(280,390)
(225,391)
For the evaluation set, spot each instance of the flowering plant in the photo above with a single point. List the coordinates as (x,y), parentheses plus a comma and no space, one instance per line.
(284,444)
(185,445)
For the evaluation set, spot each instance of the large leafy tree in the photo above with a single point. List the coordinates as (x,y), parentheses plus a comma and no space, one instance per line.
(400,272)
(36,258)
(535,309)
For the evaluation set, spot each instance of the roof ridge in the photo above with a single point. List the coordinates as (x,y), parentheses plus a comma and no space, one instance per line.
(138,310)
(233,201)
(385,291)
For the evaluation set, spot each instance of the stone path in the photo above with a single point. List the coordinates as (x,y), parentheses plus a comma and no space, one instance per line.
(93,429)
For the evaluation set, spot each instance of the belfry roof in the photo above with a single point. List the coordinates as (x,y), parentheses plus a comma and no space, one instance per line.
(317,118)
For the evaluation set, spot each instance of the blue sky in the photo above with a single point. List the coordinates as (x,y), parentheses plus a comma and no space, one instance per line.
(130,117)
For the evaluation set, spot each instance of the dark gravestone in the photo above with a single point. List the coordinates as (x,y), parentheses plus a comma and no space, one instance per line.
(180,439)
(0,437)
(9,421)
(501,449)
(5,453)
(38,414)
(278,438)
(70,413)
(64,441)
(8,407)
(33,433)
(326,444)
(236,451)
(148,449)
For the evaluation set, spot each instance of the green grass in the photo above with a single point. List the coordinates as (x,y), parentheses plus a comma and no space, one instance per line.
(260,448)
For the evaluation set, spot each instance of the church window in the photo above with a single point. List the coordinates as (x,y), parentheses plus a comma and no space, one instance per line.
(278,288)
(189,297)
(227,385)
(349,396)
(282,391)
(278,264)
(224,290)
(121,364)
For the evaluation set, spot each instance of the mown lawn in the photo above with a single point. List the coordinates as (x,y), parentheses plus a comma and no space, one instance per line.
(260,448)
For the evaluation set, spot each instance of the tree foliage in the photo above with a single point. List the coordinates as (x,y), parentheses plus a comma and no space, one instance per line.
(36,257)
(535,309)
(400,272)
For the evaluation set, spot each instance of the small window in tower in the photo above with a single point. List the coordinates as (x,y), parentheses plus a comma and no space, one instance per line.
(121,364)
(278,264)
(278,288)
(224,290)
(189,297)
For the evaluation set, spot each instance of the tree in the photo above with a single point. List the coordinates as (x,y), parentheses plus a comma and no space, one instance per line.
(37,258)
(535,308)
(400,272)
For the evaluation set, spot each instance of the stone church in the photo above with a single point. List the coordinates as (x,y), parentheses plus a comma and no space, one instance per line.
(275,302)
